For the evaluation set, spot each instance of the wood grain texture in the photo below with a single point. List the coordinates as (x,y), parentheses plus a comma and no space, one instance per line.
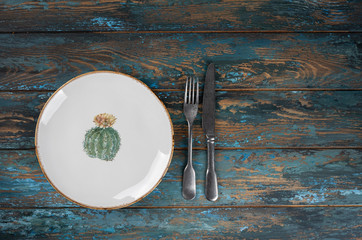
(171,15)
(243,119)
(285,154)
(246,177)
(162,61)
(226,223)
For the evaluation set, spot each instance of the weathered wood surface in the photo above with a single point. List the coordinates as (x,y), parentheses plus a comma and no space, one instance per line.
(243,119)
(224,223)
(162,61)
(246,177)
(289,134)
(170,15)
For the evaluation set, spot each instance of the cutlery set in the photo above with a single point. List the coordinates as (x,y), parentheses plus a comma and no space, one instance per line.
(191,102)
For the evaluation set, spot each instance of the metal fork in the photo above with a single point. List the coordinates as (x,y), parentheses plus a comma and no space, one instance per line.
(191,103)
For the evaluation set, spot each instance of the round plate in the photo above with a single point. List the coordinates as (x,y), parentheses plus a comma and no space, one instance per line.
(104,140)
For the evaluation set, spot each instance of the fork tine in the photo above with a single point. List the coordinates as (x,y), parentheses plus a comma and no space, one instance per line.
(190,91)
(195,95)
(197,90)
(187,82)
(193,91)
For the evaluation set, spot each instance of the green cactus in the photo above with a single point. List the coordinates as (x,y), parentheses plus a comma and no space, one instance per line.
(102,141)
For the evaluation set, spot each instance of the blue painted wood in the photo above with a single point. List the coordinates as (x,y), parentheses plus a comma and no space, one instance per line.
(162,61)
(181,223)
(171,15)
(255,177)
(246,177)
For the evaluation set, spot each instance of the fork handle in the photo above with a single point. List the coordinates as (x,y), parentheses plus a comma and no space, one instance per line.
(189,182)
(211,189)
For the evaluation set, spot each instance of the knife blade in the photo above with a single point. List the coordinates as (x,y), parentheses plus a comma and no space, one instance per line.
(208,124)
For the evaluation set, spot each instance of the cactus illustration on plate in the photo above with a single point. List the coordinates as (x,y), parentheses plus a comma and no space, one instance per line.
(102,141)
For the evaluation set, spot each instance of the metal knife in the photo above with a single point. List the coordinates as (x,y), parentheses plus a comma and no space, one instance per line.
(208,124)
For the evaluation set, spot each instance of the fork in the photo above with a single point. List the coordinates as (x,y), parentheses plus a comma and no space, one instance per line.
(191,103)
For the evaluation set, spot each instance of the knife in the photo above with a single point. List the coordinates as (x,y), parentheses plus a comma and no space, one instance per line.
(208,124)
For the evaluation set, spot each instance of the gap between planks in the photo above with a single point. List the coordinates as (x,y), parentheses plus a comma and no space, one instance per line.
(232,148)
(217,90)
(196,207)
(183,32)
(272,148)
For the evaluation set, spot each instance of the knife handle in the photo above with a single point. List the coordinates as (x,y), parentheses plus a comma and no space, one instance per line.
(211,190)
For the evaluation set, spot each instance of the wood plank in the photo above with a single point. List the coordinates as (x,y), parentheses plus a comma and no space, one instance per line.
(243,119)
(246,177)
(162,61)
(226,223)
(170,15)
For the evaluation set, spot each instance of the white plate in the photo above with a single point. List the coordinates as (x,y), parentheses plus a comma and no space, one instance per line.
(114,165)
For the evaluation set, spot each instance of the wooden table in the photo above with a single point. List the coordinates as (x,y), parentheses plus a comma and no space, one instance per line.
(288,150)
